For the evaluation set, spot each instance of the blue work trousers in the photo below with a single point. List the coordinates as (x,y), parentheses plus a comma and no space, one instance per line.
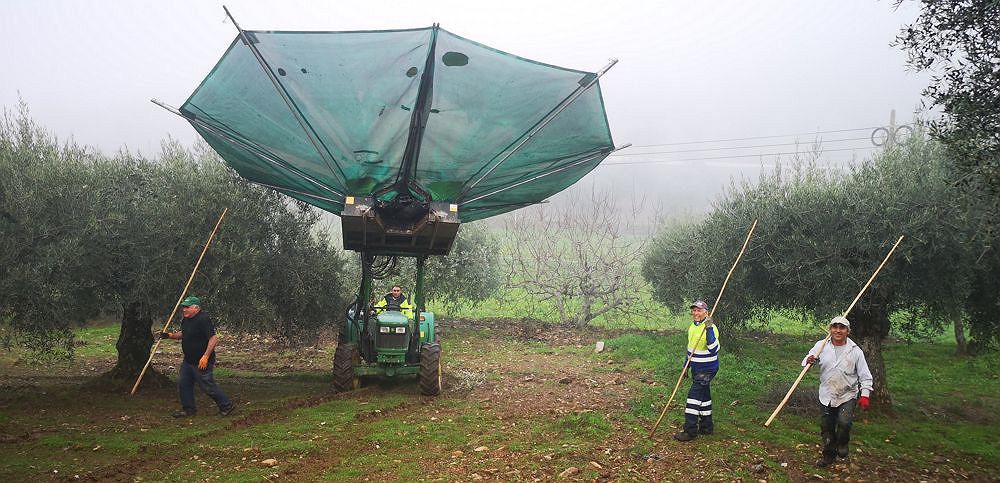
(698,411)
(189,376)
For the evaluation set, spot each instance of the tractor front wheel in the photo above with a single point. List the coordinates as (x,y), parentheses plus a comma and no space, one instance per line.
(343,367)
(430,369)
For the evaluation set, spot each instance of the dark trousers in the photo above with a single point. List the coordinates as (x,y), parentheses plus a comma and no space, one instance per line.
(835,426)
(698,412)
(191,375)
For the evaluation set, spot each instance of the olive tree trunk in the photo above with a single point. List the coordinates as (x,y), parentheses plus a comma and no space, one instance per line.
(869,326)
(962,348)
(134,342)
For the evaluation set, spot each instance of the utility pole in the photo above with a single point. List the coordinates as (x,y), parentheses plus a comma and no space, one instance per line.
(890,140)
(888,136)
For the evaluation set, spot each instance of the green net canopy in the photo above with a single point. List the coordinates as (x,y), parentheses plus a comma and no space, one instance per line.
(423,113)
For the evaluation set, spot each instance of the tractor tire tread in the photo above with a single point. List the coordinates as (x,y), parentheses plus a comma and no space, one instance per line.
(430,369)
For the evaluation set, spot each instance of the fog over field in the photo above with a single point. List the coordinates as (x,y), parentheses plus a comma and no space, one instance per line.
(704,92)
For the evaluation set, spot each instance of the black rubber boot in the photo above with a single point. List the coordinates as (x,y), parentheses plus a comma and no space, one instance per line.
(684,436)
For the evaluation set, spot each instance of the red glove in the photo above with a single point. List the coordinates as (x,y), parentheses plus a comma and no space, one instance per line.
(203,363)
(864,402)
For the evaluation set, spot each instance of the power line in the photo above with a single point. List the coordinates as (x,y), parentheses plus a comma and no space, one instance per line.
(659,161)
(737,147)
(756,137)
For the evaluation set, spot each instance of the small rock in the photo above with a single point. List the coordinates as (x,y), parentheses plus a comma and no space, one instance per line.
(566,380)
(572,470)
(457,453)
(475,476)
(599,347)
(270,462)
(758,468)
(480,449)
(596,465)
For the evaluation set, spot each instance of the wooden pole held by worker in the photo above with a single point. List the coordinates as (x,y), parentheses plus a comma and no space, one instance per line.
(187,285)
(704,329)
(823,345)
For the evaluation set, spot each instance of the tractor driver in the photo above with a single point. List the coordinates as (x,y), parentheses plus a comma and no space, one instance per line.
(396,300)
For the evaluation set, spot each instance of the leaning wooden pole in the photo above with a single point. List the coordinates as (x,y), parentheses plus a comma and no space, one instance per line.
(187,285)
(704,329)
(827,339)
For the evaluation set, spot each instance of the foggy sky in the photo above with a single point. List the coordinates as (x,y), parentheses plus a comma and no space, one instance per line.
(687,72)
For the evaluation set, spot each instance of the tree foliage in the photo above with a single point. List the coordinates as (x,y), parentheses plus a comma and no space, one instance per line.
(85,234)
(470,274)
(820,235)
(958,42)
(472,271)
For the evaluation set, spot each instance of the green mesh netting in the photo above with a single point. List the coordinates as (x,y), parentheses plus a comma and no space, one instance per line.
(337,114)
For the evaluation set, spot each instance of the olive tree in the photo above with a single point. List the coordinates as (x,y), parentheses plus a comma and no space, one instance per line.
(958,44)
(821,234)
(86,234)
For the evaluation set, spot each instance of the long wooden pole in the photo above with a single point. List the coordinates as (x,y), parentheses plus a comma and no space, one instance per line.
(827,339)
(187,285)
(704,329)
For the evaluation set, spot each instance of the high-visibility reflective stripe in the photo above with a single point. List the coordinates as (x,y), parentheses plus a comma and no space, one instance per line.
(704,359)
(714,345)
(697,412)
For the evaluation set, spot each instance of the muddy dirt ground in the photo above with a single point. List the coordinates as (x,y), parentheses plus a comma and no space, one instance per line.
(511,378)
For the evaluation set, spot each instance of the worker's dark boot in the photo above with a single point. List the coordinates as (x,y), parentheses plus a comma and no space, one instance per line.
(827,460)
(842,450)
(684,436)
(183,414)
(227,410)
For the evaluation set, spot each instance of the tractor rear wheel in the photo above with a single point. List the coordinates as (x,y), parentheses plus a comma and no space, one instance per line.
(430,369)
(343,367)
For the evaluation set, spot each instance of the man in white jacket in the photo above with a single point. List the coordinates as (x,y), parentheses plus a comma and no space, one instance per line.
(843,374)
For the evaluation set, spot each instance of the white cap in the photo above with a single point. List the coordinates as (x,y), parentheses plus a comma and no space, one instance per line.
(840,320)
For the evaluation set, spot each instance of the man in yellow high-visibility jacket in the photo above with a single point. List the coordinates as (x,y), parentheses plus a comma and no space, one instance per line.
(703,349)
(396,300)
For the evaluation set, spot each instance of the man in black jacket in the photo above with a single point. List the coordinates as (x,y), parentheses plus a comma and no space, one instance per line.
(197,336)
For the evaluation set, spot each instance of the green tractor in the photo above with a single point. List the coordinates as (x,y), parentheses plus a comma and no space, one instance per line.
(378,341)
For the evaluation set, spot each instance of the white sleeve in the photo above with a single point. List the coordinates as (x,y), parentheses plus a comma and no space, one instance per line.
(864,375)
(812,352)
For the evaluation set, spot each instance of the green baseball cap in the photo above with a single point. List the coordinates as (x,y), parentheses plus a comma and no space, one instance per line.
(191,300)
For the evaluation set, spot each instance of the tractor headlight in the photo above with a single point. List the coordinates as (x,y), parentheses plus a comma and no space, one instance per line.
(384,330)
(400,330)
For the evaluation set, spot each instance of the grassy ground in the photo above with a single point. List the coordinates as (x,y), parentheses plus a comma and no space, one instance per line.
(945,407)
(520,403)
